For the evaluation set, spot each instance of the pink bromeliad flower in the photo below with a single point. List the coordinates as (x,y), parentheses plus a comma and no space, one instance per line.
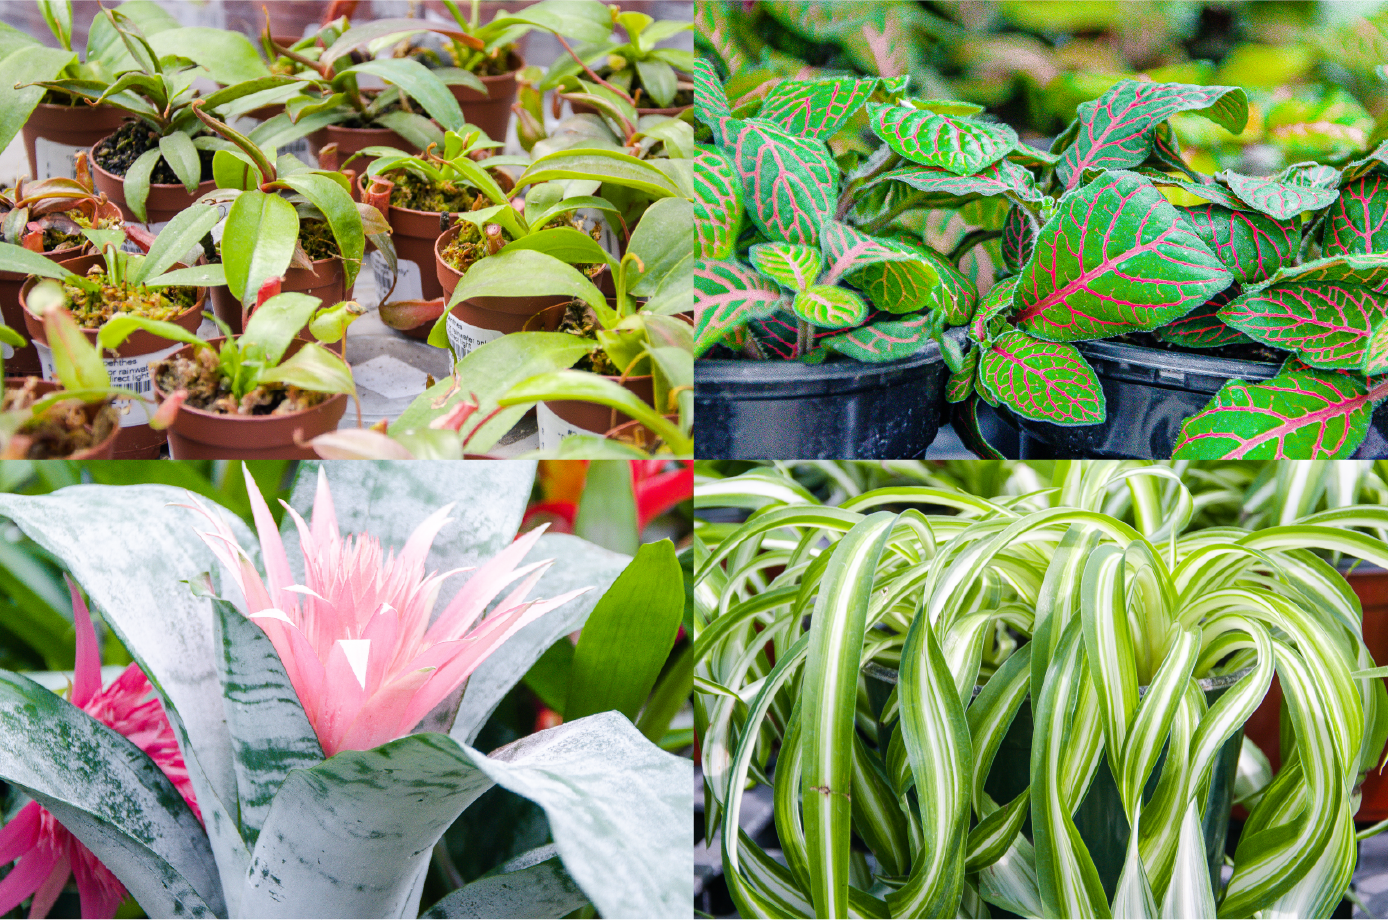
(356,638)
(48,855)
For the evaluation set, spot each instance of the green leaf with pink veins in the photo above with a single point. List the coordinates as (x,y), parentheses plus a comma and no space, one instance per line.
(816,108)
(791,184)
(1047,381)
(885,340)
(1299,187)
(829,307)
(1250,244)
(1116,257)
(846,248)
(960,145)
(718,206)
(1358,220)
(728,295)
(793,267)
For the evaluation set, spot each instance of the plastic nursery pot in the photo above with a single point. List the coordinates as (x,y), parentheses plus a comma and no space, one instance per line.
(129,368)
(1149,393)
(326,280)
(199,435)
(561,418)
(785,410)
(1100,819)
(350,140)
(164,203)
(55,134)
(475,322)
(104,450)
(491,111)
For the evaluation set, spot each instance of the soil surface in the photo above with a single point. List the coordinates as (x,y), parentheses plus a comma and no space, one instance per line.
(92,309)
(316,239)
(419,194)
(1242,351)
(118,152)
(208,389)
(62,430)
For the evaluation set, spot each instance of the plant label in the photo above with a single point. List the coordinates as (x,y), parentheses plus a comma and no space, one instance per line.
(408,286)
(131,373)
(553,429)
(464,337)
(53,160)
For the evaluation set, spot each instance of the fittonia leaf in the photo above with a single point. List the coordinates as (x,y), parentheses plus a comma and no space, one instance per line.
(793,267)
(779,334)
(1018,237)
(847,248)
(1214,194)
(1358,220)
(791,183)
(992,311)
(728,295)
(1327,325)
(1286,194)
(926,281)
(816,108)
(1251,245)
(829,306)
(960,145)
(1116,257)
(1115,130)
(940,188)
(884,340)
(718,205)
(1302,414)
(1376,352)
(1202,327)
(1376,161)
(1048,381)
(710,102)
(960,386)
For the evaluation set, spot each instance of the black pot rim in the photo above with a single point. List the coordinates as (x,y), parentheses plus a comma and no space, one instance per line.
(1108,359)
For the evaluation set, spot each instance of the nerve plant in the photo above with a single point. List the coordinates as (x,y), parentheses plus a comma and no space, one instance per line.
(1093,243)
(1046,600)
(312,706)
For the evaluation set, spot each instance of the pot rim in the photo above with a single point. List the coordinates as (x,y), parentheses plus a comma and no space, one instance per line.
(53,387)
(1116,354)
(794,376)
(97,167)
(160,395)
(30,280)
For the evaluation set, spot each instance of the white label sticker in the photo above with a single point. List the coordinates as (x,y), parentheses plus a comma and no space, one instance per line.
(391,377)
(464,337)
(130,373)
(409,285)
(52,159)
(553,429)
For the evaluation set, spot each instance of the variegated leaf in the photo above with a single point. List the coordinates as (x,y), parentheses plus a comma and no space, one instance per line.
(1376,351)
(1202,327)
(816,108)
(710,102)
(830,306)
(885,340)
(1115,258)
(1115,130)
(727,295)
(960,145)
(1376,161)
(1285,195)
(1018,238)
(1251,245)
(1358,220)
(927,282)
(1326,324)
(718,207)
(960,386)
(994,309)
(779,334)
(846,248)
(943,189)
(1297,415)
(793,267)
(1048,381)
(791,183)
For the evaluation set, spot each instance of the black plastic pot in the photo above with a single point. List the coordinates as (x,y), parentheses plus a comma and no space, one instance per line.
(784,410)
(1150,393)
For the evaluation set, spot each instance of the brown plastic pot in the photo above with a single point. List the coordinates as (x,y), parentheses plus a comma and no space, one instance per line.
(499,314)
(594,417)
(164,203)
(350,140)
(199,435)
(491,111)
(78,126)
(135,442)
(104,450)
(327,281)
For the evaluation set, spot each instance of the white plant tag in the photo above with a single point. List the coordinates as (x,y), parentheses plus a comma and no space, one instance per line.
(130,373)
(52,159)
(465,337)
(410,285)
(553,429)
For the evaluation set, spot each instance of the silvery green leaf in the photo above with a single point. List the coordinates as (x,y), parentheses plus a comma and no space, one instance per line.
(540,889)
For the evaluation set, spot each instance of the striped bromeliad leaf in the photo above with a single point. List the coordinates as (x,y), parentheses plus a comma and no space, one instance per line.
(941,188)
(728,295)
(1018,238)
(718,207)
(847,248)
(1202,327)
(1358,220)
(816,108)
(793,267)
(1328,325)
(888,339)
(958,144)
(829,306)
(1251,245)
(1115,258)
(1283,196)
(1304,415)
(1115,130)
(925,281)
(791,183)
(1049,381)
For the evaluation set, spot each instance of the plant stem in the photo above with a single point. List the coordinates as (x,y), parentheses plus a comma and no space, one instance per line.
(969,241)
(881,223)
(804,337)
(846,198)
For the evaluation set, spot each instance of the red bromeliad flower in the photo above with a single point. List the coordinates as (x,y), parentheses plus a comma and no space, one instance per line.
(48,855)
(657,489)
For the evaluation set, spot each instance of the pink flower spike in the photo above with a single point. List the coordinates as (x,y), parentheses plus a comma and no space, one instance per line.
(355,636)
(86,678)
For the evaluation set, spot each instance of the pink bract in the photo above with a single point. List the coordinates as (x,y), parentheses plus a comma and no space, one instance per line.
(48,854)
(356,639)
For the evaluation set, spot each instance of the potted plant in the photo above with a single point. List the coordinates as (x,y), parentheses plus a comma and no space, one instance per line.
(47,216)
(261,394)
(1112,601)
(654,79)
(112,281)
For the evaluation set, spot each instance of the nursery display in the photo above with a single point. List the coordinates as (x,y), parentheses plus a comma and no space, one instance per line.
(1060,658)
(1119,294)
(289,700)
(638,67)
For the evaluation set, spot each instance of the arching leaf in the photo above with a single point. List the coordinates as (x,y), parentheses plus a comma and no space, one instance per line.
(830,306)
(944,189)
(960,145)
(718,207)
(793,267)
(1018,238)
(927,282)
(1358,220)
(960,386)
(710,102)
(884,340)
(791,183)
(1251,245)
(1202,327)
(992,312)
(1116,257)
(846,248)
(816,108)
(726,296)
(1327,325)
(1049,381)
(1286,194)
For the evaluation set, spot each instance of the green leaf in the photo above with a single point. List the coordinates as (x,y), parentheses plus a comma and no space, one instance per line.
(790,183)
(419,84)
(197,276)
(829,306)
(941,188)
(1048,381)
(628,636)
(1018,238)
(1116,257)
(520,273)
(121,326)
(1327,325)
(136,182)
(542,889)
(1116,129)
(607,166)
(961,145)
(1251,245)
(710,101)
(58,15)
(586,387)
(340,211)
(1203,327)
(928,281)
(793,267)
(27,262)
(262,230)
(727,296)
(884,340)
(960,385)
(312,368)
(27,65)
(1302,414)
(661,243)
(573,247)
(184,232)
(1285,195)
(816,109)
(659,81)
(276,322)
(1355,222)
(234,169)
(229,56)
